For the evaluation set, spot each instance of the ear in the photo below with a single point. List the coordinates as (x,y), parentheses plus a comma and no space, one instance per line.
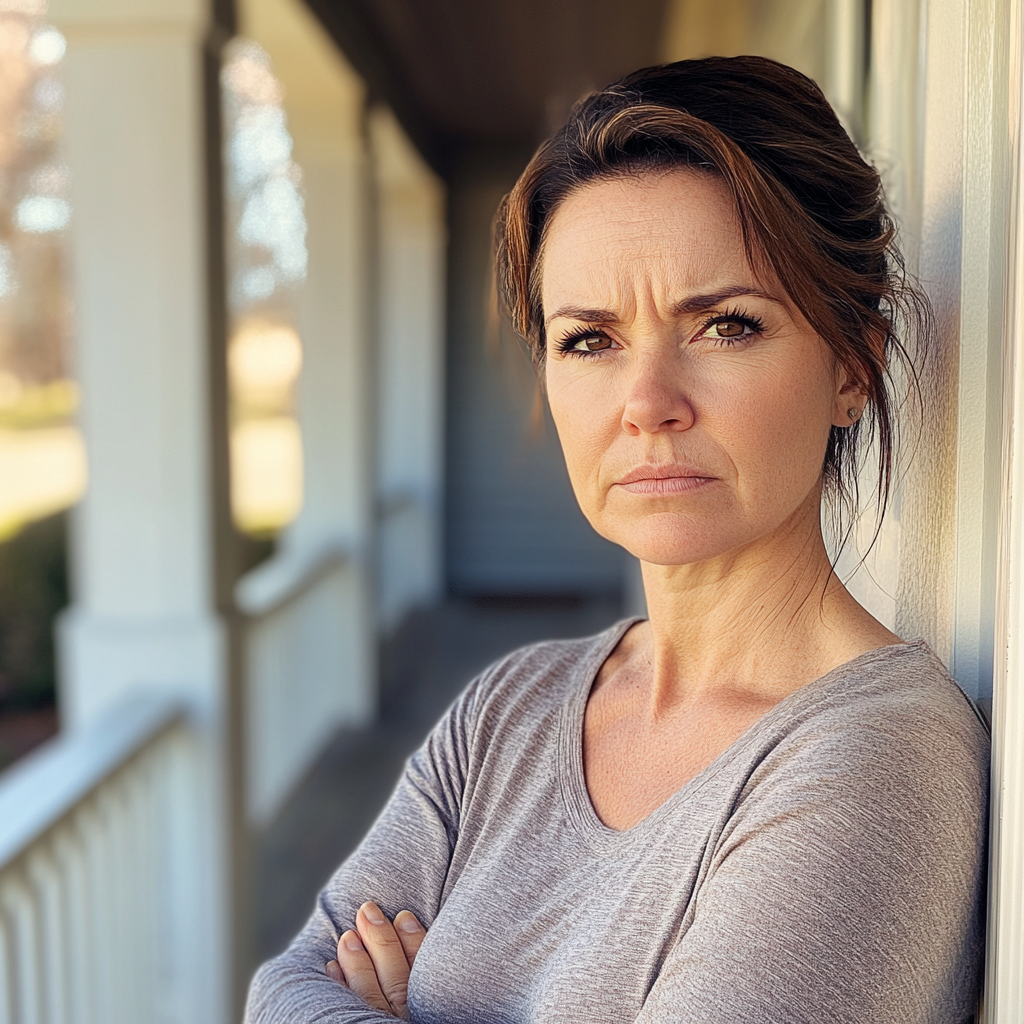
(850,402)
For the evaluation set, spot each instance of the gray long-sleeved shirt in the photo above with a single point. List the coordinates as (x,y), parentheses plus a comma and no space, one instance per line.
(827,868)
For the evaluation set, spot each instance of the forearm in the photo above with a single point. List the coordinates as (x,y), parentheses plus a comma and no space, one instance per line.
(286,991)
(401,865)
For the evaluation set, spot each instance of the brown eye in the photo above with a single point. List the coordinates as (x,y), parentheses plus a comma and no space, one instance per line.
(729,329)
(585,343)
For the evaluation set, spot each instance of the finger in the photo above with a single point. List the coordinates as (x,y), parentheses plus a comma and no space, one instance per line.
(410,933)
(333,971)
(388,956)
(359,972)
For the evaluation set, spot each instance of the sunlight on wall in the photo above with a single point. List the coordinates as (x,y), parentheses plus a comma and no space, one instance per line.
(42,457)
(267,263)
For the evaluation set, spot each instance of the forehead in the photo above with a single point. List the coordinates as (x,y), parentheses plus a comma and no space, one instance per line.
(673,230)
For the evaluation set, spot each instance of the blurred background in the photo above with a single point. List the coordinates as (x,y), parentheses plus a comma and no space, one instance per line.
(275,483)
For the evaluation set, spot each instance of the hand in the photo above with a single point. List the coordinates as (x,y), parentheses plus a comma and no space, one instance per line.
(375,959)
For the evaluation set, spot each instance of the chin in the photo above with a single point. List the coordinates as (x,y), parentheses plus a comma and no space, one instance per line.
(671,539)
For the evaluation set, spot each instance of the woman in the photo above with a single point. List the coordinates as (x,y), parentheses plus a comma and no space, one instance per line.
(759,805)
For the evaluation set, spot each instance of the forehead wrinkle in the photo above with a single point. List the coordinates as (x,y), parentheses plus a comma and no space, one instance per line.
(621,257)
(605,301)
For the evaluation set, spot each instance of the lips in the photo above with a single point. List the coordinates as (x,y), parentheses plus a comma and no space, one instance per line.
(671,479)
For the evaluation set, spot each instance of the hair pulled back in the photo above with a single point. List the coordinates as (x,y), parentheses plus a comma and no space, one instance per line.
(811,210)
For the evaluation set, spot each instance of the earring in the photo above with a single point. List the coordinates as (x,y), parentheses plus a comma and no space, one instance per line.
(854,415)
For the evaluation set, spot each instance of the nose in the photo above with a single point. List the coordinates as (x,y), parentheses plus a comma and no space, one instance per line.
(656,401)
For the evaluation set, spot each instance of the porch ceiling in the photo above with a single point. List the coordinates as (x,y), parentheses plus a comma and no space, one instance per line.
(465,73)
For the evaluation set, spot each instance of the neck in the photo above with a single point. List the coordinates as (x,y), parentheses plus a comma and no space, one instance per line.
(759,622)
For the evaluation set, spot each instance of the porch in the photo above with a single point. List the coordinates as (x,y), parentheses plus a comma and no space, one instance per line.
(280,256)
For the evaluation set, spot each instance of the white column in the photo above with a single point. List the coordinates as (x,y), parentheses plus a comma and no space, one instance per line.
(411,238)
(940,110)
(144,608)
(987,197)
(311,634)
(924,597)
(324,101)
(142,571)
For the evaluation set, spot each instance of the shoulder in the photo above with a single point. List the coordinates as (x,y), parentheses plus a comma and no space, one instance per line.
(532,683)
(905,693)
(890,731)
(518,698)
(545,673)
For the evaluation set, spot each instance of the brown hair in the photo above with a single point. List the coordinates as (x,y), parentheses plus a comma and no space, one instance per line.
(811,209)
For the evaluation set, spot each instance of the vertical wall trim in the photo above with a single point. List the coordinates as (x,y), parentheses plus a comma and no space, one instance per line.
(1005,973)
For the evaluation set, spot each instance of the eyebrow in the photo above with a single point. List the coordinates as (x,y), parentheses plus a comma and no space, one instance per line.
(693,304)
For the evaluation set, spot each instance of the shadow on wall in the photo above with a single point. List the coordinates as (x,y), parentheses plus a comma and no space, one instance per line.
(33,590)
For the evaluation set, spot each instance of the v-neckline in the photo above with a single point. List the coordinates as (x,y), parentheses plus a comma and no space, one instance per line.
(576,793)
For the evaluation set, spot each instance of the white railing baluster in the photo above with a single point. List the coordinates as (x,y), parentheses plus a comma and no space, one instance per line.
(99,937)
(119,869)
(66,856)
(81,956)
(139,790)
(9,982)
(7,993)
(46,886)
(18,908)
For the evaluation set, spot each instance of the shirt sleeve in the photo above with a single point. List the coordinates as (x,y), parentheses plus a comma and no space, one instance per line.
(847,887)
(402,864)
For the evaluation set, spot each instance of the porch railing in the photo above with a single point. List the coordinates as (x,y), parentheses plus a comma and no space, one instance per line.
(89,826)
(308,664)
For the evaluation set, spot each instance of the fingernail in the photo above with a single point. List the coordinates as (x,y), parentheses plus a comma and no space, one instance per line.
(407,922)
(332,970)
(352,943)
(373,914)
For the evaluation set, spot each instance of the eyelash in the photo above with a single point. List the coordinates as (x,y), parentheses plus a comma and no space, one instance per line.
(566,346)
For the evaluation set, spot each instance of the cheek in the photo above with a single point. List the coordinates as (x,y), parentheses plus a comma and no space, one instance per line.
(587,414)
(776,433)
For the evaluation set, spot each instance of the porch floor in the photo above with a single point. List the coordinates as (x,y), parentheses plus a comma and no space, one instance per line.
(431,658)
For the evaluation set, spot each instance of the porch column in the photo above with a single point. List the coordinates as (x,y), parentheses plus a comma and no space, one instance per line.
(144,613)
(409,371)
(311,637)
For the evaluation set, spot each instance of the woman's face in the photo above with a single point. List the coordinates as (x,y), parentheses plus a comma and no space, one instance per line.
(693,401)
